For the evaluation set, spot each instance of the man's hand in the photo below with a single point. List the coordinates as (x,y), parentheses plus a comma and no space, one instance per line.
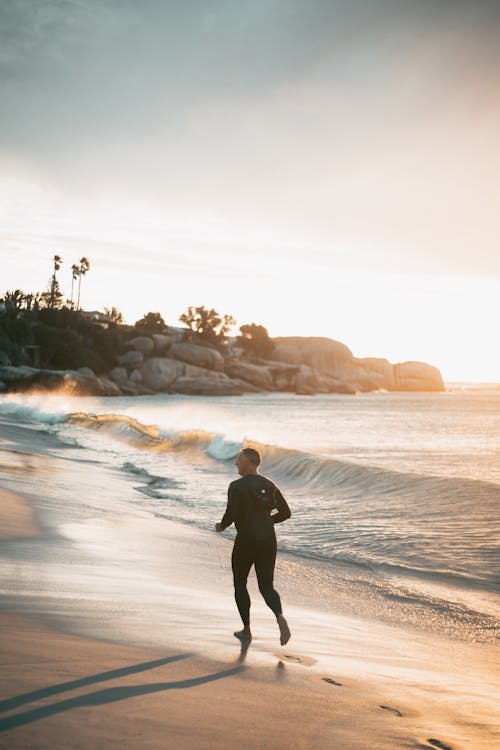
(218,528)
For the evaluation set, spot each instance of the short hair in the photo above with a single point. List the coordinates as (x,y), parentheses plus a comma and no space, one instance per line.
(253,455)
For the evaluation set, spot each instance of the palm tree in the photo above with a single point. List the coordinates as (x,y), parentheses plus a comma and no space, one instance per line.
(54,293)
(52,297)
(82,270)
(114,315)
(32,301)
(75,272)
(14,301)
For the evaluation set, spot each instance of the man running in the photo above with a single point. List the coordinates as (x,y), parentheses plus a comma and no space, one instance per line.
(250,502)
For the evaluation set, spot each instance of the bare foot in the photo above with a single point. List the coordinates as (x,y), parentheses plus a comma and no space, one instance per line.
(285,634)
(243,635)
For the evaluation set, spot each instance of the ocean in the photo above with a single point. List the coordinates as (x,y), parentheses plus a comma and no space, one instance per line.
(395,495)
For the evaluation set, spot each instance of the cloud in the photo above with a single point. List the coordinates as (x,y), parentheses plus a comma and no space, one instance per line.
(367,127)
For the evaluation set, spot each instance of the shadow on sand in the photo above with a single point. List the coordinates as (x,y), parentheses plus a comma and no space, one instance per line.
(101,697)
(19,700)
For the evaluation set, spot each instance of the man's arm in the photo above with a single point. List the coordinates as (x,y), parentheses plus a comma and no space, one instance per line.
(229,516)
(284,511)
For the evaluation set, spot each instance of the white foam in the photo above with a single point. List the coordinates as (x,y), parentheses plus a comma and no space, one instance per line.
(223,449)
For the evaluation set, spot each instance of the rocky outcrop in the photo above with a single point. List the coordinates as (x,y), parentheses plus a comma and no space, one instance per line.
(322,354)
(194,354)
(163,363)
(118,375)
(322,365)
(18,378)
(416,376)
(327,384)
(131,359)
(373,374)
(257,375)
(109,388)
(142,344)
(215,384)
(70,381)
(167,375)
(159,373)
(136,377)
(336,370)
(161,342)
(306,381)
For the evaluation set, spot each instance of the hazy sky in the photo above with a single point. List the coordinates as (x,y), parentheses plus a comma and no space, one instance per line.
(321,167)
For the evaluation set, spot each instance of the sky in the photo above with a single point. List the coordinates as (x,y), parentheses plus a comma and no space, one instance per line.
(324,168)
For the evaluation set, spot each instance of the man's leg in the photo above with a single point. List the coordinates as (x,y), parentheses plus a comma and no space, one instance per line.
(265,559)
(241,561)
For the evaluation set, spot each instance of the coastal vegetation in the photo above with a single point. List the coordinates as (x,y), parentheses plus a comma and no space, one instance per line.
(50,343)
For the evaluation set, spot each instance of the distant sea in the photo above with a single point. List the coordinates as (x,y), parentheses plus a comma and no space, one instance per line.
(399,490)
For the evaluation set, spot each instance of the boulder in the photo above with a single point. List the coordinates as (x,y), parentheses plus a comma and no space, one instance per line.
(71,382)
(131,359)
(135,389)
(374,373)
(306,382)
(416,376)
(118,375)
(143,344)
(257,375)
(327,384)
(322,354)
(282,383)
(135,377)
(215,384)
(194,354)
(195,371)
(86,371)
(108,387)
(158,373)
(161,342)
(18,378)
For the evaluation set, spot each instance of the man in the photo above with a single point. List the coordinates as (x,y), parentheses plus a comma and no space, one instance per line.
(250,502)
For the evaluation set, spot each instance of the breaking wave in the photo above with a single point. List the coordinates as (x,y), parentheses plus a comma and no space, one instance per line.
(409,523)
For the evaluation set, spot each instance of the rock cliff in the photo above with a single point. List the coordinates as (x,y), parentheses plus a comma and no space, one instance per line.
(163,363)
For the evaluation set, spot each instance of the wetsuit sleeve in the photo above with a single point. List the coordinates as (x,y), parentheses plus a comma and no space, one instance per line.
(284,511)
(230,516)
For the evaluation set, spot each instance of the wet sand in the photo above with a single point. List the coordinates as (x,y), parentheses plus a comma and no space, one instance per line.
(17,518)
(116,630)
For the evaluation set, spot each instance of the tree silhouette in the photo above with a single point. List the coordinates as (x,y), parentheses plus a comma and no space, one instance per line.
(152,322)
(113,314)
(32,301)
(52,298)
(206,325)
(75,272)
(14,301)
(82,270)
(255,341)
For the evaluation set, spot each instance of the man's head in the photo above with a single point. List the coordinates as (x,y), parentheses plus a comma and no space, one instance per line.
(248,461)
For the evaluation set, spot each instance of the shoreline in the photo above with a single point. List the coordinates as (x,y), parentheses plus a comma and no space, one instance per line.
(95,695)
(116,581)
(17,517)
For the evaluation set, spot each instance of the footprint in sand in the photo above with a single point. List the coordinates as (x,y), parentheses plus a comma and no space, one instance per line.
(306,661)
(394,710)
(331,682)
(439,744)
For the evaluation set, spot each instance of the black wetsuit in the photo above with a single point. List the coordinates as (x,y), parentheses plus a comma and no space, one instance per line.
(250,503)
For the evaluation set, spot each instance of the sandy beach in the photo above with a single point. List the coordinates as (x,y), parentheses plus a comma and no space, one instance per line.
(116,630)
(16,516)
